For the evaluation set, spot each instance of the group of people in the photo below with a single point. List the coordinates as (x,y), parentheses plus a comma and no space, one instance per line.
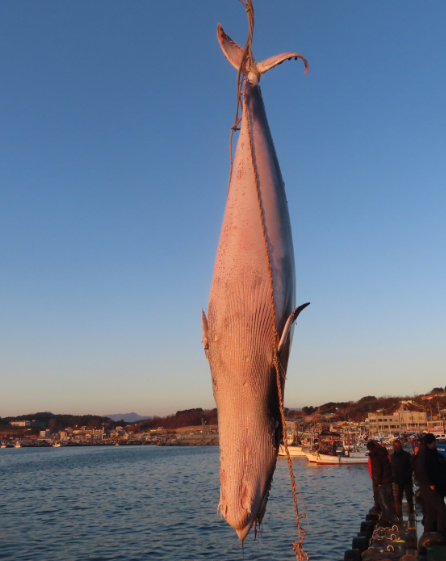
(392,477)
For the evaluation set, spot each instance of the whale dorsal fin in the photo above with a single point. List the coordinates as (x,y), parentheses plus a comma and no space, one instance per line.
(234,53)
(204,325)
(289,323)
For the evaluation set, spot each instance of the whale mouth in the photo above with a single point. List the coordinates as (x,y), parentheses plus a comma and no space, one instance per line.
(247,511)
(240,513)
(244,531)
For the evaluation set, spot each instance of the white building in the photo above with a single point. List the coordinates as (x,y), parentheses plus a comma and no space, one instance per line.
(25,423)
(404,417)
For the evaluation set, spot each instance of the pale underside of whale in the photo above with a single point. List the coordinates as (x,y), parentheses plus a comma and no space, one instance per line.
(251,310)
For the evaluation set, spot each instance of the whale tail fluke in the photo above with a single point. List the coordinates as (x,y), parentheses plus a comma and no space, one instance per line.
(234,53)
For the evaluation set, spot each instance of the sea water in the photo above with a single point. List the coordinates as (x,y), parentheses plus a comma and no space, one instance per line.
(135,503)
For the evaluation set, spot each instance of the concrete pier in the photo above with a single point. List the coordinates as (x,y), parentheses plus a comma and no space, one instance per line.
(404,541)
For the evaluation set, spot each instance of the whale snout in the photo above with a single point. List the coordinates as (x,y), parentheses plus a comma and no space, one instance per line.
(239,516)
(243,498)
(244,532)
(242,514)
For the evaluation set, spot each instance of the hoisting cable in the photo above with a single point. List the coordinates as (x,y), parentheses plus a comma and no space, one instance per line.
(241,81)
(241,76)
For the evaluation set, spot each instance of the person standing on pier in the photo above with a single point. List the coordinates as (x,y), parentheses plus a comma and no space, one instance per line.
(383,479)
(376,509)
(402,477)
(430,472)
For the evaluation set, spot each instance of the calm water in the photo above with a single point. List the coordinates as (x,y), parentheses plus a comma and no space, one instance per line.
(146,503)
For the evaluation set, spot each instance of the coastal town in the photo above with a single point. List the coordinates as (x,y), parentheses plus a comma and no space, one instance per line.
(369,417)
(342,433)
(25,433)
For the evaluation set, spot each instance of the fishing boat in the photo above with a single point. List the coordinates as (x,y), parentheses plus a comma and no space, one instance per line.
(293,449)
(333,450)
(355,458)
(294,443)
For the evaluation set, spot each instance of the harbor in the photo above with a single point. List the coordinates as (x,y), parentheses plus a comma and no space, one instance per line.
(180,181)
(318,448)
(52,483)
(134,502)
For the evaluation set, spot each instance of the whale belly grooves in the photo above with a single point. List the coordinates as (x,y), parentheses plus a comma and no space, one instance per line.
(239,328)
(251,312)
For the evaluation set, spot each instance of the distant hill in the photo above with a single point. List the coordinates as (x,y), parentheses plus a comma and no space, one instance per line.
(128,417)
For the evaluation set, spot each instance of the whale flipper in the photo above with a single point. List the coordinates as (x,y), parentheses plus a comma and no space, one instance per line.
(286,330)
(204,326)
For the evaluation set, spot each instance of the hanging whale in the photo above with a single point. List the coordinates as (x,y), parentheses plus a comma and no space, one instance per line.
(251,308)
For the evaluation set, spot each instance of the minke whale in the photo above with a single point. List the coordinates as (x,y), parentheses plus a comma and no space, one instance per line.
(251,307)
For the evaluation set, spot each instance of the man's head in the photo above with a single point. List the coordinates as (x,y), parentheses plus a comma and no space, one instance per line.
(371,444)
(429,441)
(397,446)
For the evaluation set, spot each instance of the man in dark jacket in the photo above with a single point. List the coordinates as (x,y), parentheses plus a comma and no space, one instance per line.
(402,477)
(383,479)
(430,472)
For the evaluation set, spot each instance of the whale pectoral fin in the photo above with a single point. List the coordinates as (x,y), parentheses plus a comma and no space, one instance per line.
(289,323)
(232,51)
(273,61)
(204,325)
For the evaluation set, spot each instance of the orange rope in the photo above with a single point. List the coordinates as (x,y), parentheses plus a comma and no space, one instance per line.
(245,64)
(297,545)
(242,73)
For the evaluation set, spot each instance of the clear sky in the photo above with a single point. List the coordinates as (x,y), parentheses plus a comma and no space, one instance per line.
(115,120)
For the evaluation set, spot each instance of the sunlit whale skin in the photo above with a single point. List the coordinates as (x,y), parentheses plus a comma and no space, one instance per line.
(238,333)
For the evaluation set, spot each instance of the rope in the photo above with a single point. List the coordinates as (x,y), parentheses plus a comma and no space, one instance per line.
(297,545)
(242,73)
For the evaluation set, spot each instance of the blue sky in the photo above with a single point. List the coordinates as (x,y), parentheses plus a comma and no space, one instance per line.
(115,120)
